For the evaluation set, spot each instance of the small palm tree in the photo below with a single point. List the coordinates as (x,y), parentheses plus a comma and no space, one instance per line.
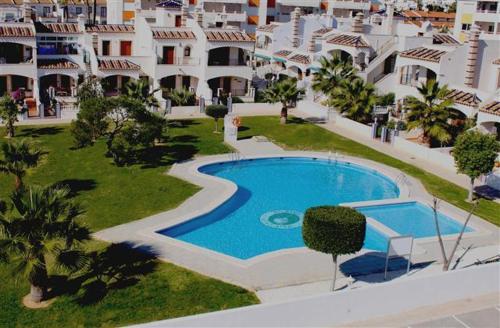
(41,232)
(140,90)
(181,97)
(432,113)
(355,99)
(332,72)
(282,92)
(18,156)
(8,114)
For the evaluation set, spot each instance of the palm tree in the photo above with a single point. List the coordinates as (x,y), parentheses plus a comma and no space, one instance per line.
(18,156)
(332,72)
(8,113)
(181,97)
(140,90)
(41,231)
(431,113)
(282,92)
(355,99)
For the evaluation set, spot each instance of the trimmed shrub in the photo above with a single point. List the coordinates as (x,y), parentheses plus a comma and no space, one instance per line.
(216,112)
(334,229)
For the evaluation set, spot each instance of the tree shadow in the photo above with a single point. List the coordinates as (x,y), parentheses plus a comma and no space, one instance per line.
(164,155)
(182,123)
(364,267)
(77,185)
(296,120)
(38,132)
(116,267)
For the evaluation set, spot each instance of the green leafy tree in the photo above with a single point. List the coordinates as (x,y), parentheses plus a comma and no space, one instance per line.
(475,154)
(41,232)
(283,92)
(8,114)
(140,90)
(334,230)
(18,157)
(181,97)
(431,113)
(355,99)
(216,112)
(90,89)
(91,121)
(331,73)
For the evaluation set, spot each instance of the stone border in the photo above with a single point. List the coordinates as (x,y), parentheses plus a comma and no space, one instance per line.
(274,269)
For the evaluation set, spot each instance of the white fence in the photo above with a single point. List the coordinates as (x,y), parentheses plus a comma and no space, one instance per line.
(345,306)
(431,155)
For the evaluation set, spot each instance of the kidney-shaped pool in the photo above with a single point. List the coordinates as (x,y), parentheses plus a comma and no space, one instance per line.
(266,212)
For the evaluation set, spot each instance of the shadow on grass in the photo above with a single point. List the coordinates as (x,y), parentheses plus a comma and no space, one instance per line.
(38,132)
(178,149)
(77,185)
(295,120)
(182,123)
(115,267)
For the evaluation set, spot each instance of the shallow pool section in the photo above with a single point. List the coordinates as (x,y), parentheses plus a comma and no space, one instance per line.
(266,212)
(412,218)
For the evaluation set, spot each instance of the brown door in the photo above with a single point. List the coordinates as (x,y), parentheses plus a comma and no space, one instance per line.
(178,21)
(168,55)
(125,48)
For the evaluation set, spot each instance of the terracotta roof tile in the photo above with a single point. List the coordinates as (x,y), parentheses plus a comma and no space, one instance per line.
(491,108)
(173,34)
(110,28)
(323,31)
(267,28)
(347,40)
(16,31)
(444,39)
(427,14)
(282,53)
(464,98)
(62,28)
(422,53)
(303,59)
(117,64)
(56,64)
(227,36)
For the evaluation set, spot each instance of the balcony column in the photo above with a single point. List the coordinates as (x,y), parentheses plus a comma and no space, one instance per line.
(9,83)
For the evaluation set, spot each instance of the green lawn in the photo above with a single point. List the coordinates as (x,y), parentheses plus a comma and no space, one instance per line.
(300,135)
(113,195)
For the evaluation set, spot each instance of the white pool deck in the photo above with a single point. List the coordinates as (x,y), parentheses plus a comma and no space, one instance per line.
(300,267)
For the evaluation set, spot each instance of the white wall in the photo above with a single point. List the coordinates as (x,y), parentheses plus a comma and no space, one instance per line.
(434,156)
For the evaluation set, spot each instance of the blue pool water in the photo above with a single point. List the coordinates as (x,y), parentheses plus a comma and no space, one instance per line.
(264,215)
(412,218)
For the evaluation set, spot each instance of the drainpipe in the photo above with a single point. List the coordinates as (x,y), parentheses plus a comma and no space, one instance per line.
(470,68)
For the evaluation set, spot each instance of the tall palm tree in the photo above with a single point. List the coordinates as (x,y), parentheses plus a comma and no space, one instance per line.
(8,114)
(41,232)
(431,113)
(18,156)
(140,90)
(355,99)
(332,72)
(282,92)
(181,97)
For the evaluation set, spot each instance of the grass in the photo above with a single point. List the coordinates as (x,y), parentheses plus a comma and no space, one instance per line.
(300,135)
(114,195)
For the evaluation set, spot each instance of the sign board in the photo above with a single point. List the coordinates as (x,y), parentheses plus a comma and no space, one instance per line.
(399,246)
(380,110)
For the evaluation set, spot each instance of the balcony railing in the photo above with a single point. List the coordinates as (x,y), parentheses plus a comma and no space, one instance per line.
(235,62)
(186,61)
(4,61)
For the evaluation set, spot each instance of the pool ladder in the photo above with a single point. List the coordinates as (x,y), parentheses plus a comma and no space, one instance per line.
(333,156)
(236,157)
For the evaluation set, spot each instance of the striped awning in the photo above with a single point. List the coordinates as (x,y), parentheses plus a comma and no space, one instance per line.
(355,41)
(491,108)
(171,34)
(56,64)
(117,64)
(464,98)
(227,36)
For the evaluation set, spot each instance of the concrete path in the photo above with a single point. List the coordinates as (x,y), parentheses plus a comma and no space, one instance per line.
(256,146)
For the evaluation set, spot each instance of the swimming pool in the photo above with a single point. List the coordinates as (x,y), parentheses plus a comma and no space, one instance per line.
(273,193)
(412,218)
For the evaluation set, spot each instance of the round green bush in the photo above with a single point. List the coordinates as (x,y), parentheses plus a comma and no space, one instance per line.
(216,111)
(334,229)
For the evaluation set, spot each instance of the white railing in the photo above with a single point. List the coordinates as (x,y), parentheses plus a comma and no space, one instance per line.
(188,61)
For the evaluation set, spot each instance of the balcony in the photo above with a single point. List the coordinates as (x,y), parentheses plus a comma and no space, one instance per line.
(300,3)
(230,17)
(351,4)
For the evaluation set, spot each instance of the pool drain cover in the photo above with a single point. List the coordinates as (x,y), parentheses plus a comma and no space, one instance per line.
(282,219)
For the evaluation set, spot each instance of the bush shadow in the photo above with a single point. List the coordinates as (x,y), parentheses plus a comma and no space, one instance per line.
(38,132)
(76,186)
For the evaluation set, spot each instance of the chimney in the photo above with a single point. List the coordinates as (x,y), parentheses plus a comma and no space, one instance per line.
(81,20)
(357,24)
(199,15)
(27,11)
(470,68)
(184,13)
(95,43)
(312,43)
(295,27)
(389,9)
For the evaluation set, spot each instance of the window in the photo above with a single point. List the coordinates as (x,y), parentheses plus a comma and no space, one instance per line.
(46,11)
(79,10)
(106,47)
(125,48)
(178,21)
(103,12)
(466,27)
(187,52)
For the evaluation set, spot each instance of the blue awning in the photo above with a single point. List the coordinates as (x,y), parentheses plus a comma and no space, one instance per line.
(314,69)
(263,56)
(279,59)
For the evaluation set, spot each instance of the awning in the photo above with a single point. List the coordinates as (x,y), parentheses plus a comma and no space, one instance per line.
(279,59)
(263,56)
(314,69)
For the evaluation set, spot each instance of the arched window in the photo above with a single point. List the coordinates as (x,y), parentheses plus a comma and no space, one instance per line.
(187,52)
